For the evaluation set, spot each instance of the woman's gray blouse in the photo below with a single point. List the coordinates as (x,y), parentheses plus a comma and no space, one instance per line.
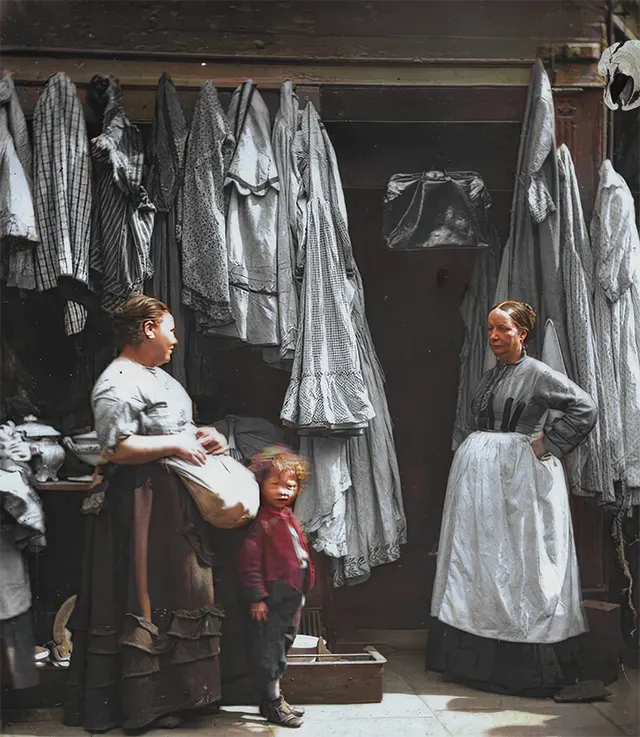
(517,397)
(132,399)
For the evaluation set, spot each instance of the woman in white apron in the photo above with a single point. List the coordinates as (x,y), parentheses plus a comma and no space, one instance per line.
(507,587)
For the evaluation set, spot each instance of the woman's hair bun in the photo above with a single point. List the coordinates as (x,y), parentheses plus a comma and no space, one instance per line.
(522,313)
(128,322)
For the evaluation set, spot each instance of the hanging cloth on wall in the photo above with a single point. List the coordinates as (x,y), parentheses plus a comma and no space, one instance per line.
(250,435)
(13,117)
(321,509)
(18,232)
(620,66)
(352,509)
(22,529)
(477,302)
(123,214)
(616,250)
(290,225)
(204,251)
(327,389)
(252,186)
(593,466)
(530,268)
(62,192)
(376,526)
(436,209)
(164,182)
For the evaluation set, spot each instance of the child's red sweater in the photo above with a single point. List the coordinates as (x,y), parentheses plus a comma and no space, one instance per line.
(268,554)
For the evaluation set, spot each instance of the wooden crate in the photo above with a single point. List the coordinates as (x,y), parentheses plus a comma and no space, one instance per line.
(335,678)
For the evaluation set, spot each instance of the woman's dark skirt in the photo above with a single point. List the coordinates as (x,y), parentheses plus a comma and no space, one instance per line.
(145,628)
(523,669)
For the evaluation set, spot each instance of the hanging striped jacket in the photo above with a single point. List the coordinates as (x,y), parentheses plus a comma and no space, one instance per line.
(62,191)
(123,214)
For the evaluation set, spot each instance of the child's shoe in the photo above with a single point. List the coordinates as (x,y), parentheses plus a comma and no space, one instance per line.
(279,712)
(295,710)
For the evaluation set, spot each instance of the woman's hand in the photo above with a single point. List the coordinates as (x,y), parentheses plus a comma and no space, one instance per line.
(212,441)
(259,610)
(189,449)
(538,447)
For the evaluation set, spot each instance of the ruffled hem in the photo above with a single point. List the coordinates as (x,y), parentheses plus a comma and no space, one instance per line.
(210,312)
(186,628)
(327,400)
(185,625)
(357,569)
(192,625)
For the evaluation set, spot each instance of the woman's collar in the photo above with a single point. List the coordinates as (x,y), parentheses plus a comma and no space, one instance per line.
(523,355)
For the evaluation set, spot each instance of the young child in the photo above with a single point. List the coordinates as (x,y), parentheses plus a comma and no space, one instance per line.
(275,573)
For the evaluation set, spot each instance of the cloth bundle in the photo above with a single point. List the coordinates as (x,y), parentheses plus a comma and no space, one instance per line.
(225,492)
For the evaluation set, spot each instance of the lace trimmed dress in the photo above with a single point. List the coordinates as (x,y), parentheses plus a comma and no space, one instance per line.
(146,549)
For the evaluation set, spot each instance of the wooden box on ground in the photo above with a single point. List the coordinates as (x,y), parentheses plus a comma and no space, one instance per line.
(335,678)
(601,647)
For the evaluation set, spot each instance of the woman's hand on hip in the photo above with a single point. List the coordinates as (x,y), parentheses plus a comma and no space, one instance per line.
(212,441)
(259,610)
(189,449)
(538,447)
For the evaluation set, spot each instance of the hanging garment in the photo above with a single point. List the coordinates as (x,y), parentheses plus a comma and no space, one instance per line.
(552,356)
(327,389)
(123,214)
(204,251)
(551,351)
(250,435)
(507,567)
(13,117)
(436,209)
(376,526)
(252,186)
(62,192)
(166,170)
(321,509)
(18,232)
(592,462)
(22,530)
(290,221)
(23,504)
(616,249)
(474,309)
(530,268)
(620,66)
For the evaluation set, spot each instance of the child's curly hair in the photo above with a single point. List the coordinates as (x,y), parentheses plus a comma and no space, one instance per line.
(279,458)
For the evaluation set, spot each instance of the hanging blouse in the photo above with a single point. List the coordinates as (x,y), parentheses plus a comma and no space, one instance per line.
(18,232)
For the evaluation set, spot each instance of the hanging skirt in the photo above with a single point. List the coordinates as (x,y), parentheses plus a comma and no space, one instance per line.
(145,628)
(507,567)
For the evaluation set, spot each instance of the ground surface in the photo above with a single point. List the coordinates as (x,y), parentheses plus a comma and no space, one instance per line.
(415,704)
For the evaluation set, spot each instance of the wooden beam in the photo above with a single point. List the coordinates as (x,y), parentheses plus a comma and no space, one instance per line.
(423,105)
(145,74)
